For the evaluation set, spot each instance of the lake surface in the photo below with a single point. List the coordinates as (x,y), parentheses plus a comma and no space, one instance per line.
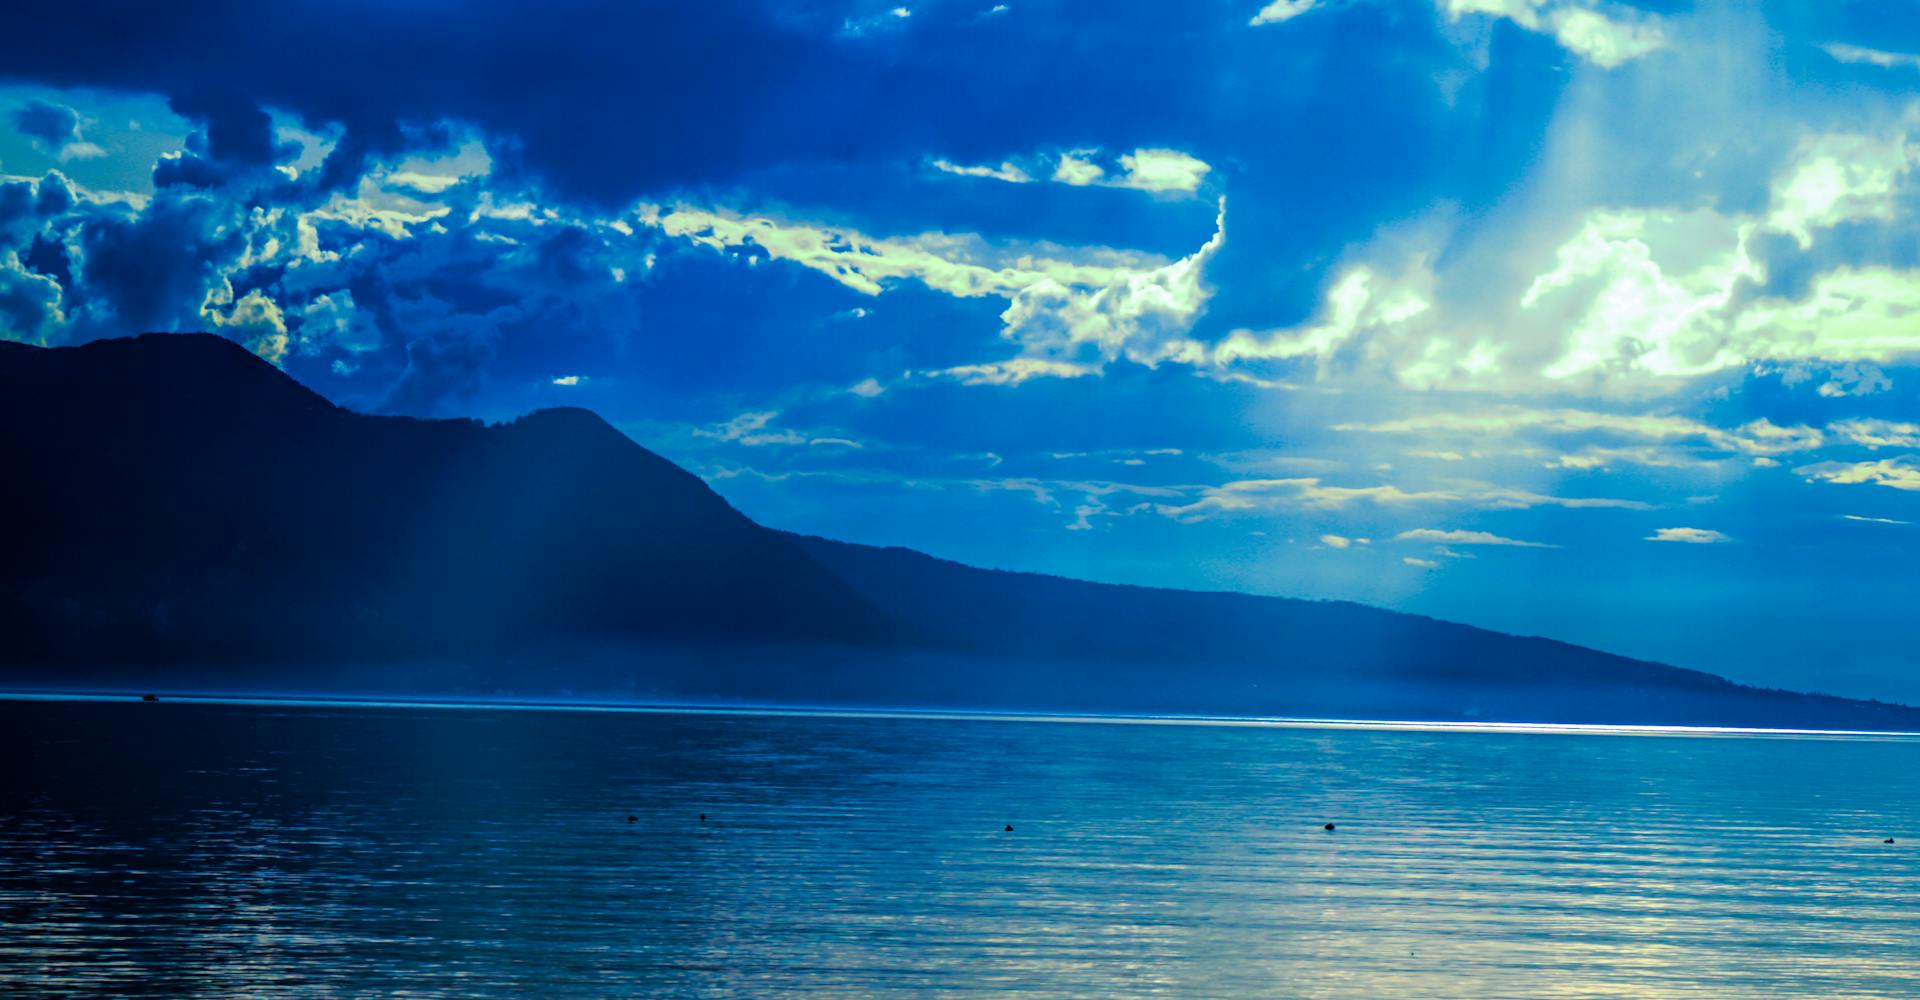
(217,850)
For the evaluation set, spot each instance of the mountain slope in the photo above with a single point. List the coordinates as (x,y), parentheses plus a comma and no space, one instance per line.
(1105,647)
(171,501)
(172,497)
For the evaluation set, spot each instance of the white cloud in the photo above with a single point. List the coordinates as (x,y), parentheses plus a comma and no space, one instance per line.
(1078,171)
(1625,313)
(1358,303)
(1253,495)
(1871,57)
(1871,520)
(1421,563)
(567,380)
(1466,538)
(752,430)
(1876,434)
(1840,177)
(1900,473)
(1335,541)
(1162,170)
(1690,536)
(1013,372)
(1755,437)
(1006,171)
(255,320)
(1282,10)
(1607,40)
(1156,170)
(1068,330)
(963,266)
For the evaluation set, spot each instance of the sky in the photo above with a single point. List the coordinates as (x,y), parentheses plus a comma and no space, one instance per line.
(1558,317)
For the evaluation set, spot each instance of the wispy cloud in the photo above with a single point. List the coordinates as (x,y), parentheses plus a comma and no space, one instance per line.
(1448,537)
(1689,536)
(1900,473)
(1871,57)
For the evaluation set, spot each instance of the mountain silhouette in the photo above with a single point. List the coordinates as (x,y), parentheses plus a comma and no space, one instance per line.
(174,497)
(176,505)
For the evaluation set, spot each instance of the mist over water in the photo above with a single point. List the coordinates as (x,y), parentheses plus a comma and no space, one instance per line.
(186,849)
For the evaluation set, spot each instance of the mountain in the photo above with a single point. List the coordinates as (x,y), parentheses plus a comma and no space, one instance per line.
(174,498)
(183,514)
(1107,647)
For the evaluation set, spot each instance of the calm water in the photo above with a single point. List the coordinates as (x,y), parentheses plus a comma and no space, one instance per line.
(227,849)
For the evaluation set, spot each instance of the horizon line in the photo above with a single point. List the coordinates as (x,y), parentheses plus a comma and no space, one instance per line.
(967,715)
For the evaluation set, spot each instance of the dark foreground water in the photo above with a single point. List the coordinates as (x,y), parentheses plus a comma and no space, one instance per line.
(223,850)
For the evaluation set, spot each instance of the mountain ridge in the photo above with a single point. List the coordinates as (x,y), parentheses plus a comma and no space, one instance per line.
(179,501)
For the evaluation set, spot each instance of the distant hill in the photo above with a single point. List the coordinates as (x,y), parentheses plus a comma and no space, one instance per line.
(175,505)
(1179,651)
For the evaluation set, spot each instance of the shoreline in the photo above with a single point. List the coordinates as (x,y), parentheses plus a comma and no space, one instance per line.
(929,714)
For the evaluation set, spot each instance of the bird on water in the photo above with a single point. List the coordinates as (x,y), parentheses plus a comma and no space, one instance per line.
(1329,826)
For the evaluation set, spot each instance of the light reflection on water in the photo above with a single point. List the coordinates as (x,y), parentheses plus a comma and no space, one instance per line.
(225,849)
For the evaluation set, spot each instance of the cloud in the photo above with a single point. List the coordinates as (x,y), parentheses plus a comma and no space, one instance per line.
(1160,171)
(1253,495)
(1841,177)
(568,380)
(30,303)
(964,265)
(1871,57)
(1358,303)
(1900,473)
(1607,40)
(1006,171)
(1466,538)
(1073,169)
(1282,10)
(54,126)
(1876,434)
(1760,436)
(755,430)
(253,319)
(1420,563)
(1690,536)
(751,430)
(1342,541)
(1871,520)
(1070,329)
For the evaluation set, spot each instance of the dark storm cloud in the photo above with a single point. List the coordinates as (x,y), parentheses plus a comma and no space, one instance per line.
(151,268)
(607,102)
(54,124)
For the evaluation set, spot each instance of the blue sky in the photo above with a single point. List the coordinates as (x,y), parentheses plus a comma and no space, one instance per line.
(1562,317)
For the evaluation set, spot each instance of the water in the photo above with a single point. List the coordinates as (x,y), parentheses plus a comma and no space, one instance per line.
(218,850)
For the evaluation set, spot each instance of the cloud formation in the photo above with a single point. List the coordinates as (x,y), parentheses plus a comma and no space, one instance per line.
(1455,537)
(1687,536)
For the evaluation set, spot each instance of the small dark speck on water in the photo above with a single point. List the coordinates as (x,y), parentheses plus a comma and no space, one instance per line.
(703,817)
(633,819)
(1008,829)
(1329,826)
(1889,840)
(149,697)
